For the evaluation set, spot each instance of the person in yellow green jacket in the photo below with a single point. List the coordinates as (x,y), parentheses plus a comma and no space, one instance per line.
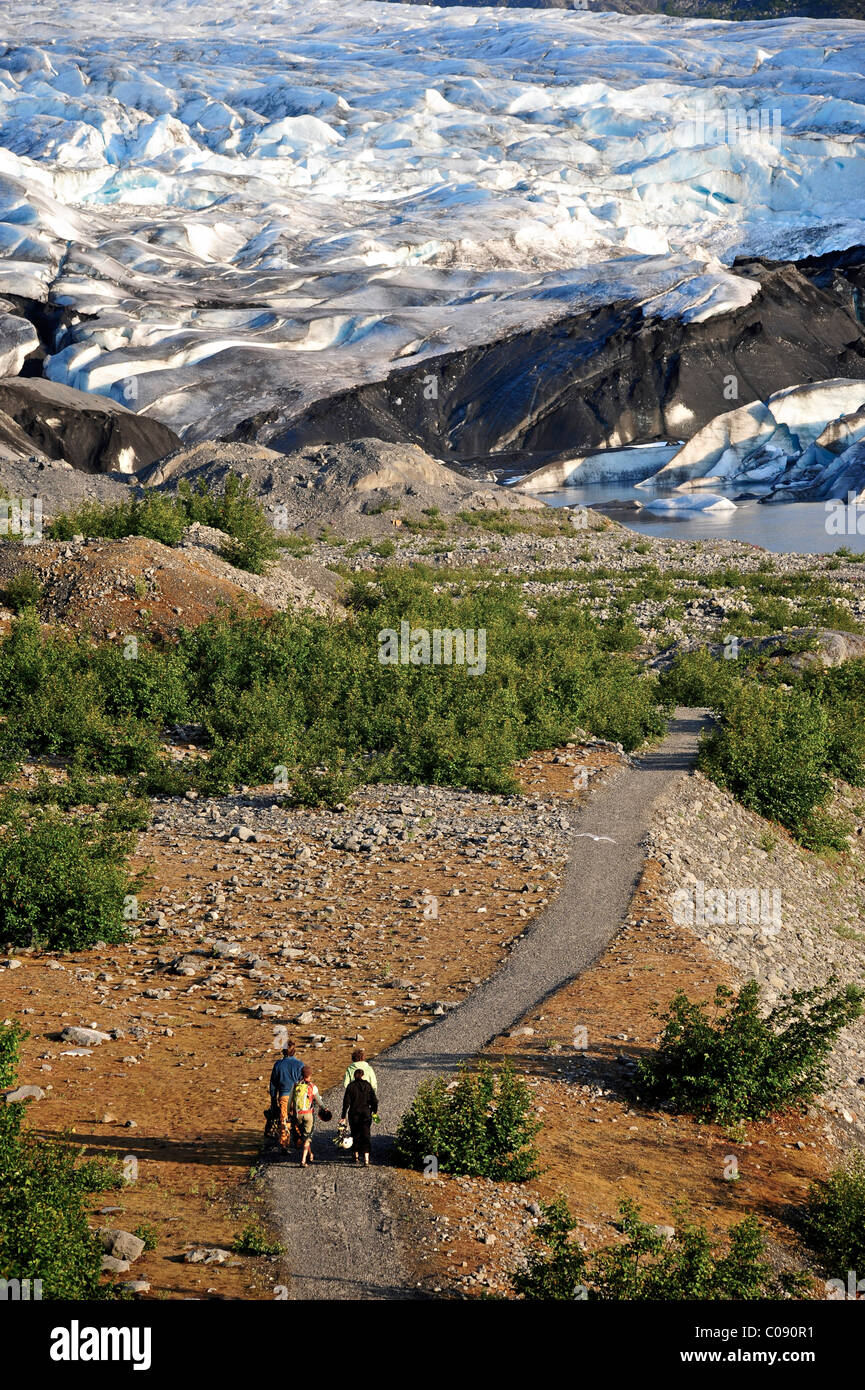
(358,1059)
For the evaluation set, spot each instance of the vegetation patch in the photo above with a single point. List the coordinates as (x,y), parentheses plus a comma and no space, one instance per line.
(44,1232)
(649,1266)
(729,1061)
(481,1126)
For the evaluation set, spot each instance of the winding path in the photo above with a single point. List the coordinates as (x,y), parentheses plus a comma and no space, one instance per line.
(339,1225)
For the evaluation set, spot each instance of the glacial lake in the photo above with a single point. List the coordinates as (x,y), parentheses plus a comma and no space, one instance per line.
(791,526)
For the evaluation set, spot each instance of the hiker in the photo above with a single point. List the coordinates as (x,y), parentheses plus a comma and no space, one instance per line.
(360,1103)
(304,1099)
(283,1079)
(358,1058)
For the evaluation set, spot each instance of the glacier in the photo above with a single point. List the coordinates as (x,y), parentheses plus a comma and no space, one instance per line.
(238,209)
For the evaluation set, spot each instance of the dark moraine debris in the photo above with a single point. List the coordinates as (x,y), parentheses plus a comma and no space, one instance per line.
(607,377)
(93,433)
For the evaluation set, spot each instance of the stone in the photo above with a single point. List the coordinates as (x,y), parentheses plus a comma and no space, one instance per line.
(111,1265)
(241,832)
(24,1093)
(123,1245)
(207,1255)
(84,1037)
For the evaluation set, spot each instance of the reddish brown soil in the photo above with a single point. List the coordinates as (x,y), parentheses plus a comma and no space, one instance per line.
(597,1150)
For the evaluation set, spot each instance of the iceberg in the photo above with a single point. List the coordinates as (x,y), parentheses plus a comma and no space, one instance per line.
(707,502)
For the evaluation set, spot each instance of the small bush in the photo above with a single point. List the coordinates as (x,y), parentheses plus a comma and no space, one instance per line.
(823,831)
(253,541)
(739,1065)
(384,549)
(253,1240)
(482,1127)
(23,591)
(63,881)
(834,1218)
(696,679)
(163,518)
(100,1174)
(646,1266)
(146,1231)
(44,1232)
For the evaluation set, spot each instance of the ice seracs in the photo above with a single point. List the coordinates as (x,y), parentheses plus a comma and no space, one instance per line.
(773,446)
(806,443)
(220,196)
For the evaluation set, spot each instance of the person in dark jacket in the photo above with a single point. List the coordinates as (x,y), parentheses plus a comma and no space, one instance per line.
(360,1103)
(283,1079)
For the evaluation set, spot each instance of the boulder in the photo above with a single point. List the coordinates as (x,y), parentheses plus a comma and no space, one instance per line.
(18,338)
(84,1037)
(21,1093)
(123,1245)
(206,1255)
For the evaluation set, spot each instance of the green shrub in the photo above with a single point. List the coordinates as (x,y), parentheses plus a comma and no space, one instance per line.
(63,881)
(44,1232)
(841,692)
(163,518)
(735,1064)
(646,1266)
(483,1126)
(823,831)
(384,549)
(253,1240)
(22,591)
(697,680)
(834,1217)
(253,541)
(100,1174)
(146,1231)
(154,515)
(771,752)
(304,692)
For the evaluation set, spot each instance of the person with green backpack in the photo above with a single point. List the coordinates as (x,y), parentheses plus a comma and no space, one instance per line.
(305,1099)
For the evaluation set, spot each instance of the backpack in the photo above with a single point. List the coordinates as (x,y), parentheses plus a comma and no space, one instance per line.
(304,1096)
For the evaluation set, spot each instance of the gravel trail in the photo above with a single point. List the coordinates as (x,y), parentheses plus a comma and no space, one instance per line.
(339,1225)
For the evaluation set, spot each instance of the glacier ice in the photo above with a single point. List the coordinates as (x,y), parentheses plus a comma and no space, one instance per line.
(805,443)
(707,502)
(219,194)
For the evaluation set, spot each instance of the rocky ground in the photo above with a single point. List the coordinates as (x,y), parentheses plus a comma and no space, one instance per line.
(601,1143)
(369,922)
(257,918)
